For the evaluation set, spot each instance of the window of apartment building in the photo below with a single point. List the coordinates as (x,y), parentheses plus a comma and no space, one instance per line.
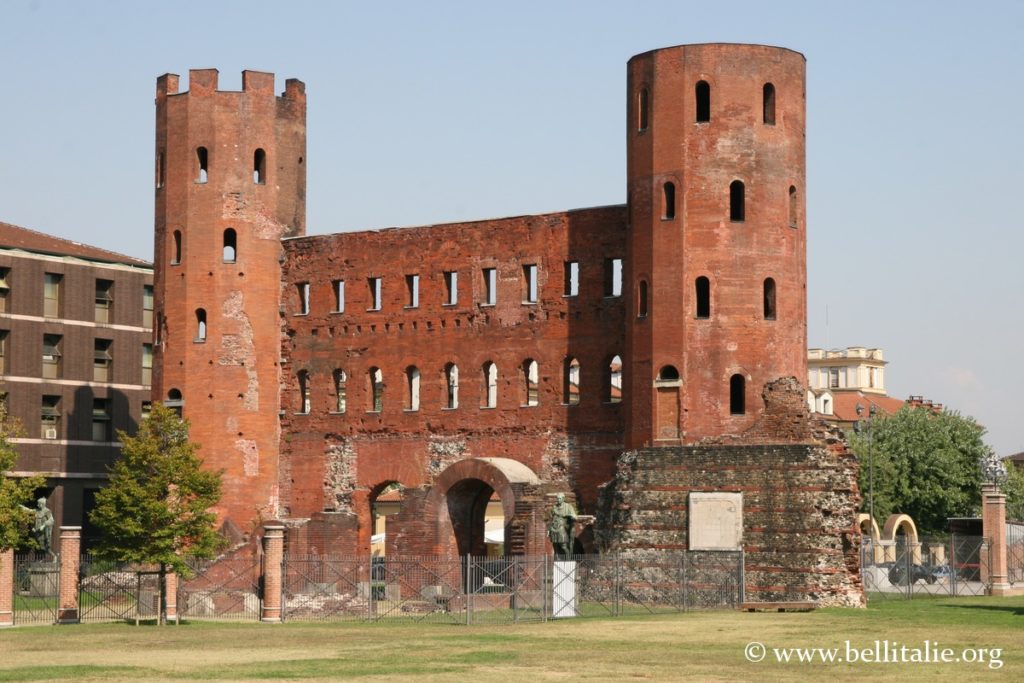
(147,365)
(5,289)
(103,361)
(340,390)
(338,287)
(375,284)
(101,419)
(833,378)
(490,286)
(146,410)
(572,278)
(104,300)
(530,284)
(303,288)
(51,295)
(412,284)
(51,356)
(147,306)
(451,288)
(571,384)
(451,376)
(613,277)
(4,334)
(50,417)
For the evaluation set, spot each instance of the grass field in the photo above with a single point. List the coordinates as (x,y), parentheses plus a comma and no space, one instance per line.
(697,645)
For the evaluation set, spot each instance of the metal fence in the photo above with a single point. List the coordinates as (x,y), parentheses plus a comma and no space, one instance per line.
(946,567)
(112,591)
(36,588)
(1015,554)
(221,589)
(472,590)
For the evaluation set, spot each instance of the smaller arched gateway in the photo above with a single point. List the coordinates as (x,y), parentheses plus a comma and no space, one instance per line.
(448,517)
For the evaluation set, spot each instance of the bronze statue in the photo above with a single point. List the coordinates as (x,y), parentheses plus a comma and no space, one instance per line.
(42,528)
(560,527)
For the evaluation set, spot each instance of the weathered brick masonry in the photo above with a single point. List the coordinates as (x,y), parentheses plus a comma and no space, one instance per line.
(517,357)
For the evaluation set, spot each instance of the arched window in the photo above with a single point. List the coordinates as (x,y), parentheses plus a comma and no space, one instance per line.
(340,390)
(531,382)
(769,104)
(176,255)
(174,395)
(769,299)
(736,201)
(230,245)
(669,201)
(490,394)
(641,299)
(259,167)
(642,108)
(200,325)
(571,382)
(174,401)
(376,381)
(305,403)
(668,373)
(737,395)
(412,388)
(451,380)
(792,207)
(203,161)
(703,287)
(613,387)
(703,96)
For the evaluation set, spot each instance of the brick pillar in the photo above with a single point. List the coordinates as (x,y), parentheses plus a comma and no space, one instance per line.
(993,522)
(273,557)
(6,588)
(70,556)
(171,587)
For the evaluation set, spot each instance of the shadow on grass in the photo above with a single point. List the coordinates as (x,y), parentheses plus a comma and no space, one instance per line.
(1009,609)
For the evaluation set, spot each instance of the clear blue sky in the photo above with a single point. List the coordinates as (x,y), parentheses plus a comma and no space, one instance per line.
(423,112)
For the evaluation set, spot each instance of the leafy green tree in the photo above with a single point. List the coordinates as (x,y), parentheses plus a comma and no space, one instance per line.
(1013,487)
(927,465)
(156,508)
(15,493)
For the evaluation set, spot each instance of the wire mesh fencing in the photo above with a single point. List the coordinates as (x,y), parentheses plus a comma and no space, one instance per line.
(116,591)
(512,589)
(949,567)
(224,589)
(36,588)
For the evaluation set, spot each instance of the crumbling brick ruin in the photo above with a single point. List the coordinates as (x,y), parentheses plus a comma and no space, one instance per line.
(628,349)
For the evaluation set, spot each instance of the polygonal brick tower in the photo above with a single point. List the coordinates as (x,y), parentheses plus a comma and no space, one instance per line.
(230,184)
(716,265)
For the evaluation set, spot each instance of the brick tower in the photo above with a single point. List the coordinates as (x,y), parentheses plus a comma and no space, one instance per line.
(716,263)
(230,184)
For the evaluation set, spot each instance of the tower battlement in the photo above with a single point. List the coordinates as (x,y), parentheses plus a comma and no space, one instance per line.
(205,81)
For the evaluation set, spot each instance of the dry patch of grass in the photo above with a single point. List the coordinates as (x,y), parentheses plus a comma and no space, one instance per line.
(699,645)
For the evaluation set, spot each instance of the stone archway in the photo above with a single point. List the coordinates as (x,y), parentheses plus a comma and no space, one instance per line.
(892,527)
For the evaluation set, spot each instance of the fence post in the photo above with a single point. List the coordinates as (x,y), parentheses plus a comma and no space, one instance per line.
(273,558)
(618,584)
(7,588)
(171,597)
(468,592)
(993,522)
(742,578)
(685,582)
(70,557)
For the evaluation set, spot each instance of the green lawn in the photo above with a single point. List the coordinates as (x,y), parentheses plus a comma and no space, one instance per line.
(699,645)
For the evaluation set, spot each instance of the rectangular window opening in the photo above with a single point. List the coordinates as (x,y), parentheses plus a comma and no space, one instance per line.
(339,296)
(530,283)
(612,277)
(451,288)
(490,286)
(102,361)
(303,288)
(101,419)
(147,306)
(147,364)
(572,278)
(51,295)
(50,417)
(104,300)
(51,356)
(375,293)
(412,283)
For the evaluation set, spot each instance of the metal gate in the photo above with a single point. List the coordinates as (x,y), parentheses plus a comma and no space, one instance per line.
(36,588)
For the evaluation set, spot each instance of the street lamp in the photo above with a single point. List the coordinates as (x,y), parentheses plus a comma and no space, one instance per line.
(871,456)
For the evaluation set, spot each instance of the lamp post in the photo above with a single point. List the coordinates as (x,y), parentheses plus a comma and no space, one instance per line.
(871,455)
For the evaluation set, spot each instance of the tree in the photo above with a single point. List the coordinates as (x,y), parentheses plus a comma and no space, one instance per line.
(15,493)
(926,464)
(156,508)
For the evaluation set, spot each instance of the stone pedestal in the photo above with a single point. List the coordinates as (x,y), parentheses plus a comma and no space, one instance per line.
(70,553)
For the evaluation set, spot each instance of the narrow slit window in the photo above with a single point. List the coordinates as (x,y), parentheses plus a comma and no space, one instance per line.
(303,288)
(769,104)
(412,284)
(793,218)
(669,191)
(412,388)
(176,254)
(259,167)
(612,277)
(572,278)
(340,390)
(305,398)
(737,395)
(160,166)
(769,299)
(200,325)
(490,397)
(571,383)
(641,299)
(3,351)
(531,383)
(339,295)
(643,112)
(376,378)
(147,306)
(737,200)
(451,288)
(703,291)
(202,158)
(230,252)
(703,96)
(375,293)
(613,387)
(530,283)
(451,377)
(147,365)
(490,286)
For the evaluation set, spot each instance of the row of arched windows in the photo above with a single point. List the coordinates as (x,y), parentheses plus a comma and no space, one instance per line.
(202,169)
(737,202)
(702,105)
(528,377)
(702,292)
(229,247)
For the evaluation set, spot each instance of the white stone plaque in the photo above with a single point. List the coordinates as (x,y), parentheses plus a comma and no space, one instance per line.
(716,521)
